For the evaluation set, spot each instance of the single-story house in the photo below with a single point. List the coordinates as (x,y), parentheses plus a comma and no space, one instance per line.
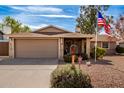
(49,42)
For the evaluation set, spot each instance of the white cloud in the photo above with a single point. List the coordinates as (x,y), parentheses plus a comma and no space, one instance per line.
(55,16)
(34,27)
(37,9)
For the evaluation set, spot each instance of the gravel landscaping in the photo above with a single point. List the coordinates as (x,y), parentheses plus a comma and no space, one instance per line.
(106,73)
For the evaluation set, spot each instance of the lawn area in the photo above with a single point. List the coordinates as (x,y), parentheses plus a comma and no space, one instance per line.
(106,73)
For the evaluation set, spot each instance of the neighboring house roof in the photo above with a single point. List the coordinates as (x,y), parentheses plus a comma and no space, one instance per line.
(67,34)
(104,38)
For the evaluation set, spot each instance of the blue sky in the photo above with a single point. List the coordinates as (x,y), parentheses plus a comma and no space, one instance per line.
(63,16)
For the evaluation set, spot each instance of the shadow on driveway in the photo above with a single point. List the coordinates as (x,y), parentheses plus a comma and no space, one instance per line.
(28,61)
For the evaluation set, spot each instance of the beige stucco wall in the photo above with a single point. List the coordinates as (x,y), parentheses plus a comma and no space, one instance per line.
(61,48)
(36,48)
(112,45)
(92,44)
(88,47)
(112,48)
(11,47)
(121,44)
(83,45)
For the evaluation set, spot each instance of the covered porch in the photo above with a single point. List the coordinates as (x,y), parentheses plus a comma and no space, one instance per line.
(81,44)
(78,43)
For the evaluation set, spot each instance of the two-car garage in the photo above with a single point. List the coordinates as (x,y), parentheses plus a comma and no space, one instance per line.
(36,48)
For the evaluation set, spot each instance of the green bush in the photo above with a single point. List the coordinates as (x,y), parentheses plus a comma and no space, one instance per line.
(68,58)
(100,52)
(119,49)
(68,76)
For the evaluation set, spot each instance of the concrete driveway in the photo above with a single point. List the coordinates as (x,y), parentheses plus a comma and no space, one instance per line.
(26,73)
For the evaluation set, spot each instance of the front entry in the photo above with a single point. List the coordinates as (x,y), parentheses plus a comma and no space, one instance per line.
(75,43)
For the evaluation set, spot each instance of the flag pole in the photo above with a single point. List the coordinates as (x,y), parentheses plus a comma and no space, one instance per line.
(96,35)
(96,43)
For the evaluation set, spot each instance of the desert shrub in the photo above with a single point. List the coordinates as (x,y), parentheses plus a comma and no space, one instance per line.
(68,76)
(68,58)
(119,49)
(100,52)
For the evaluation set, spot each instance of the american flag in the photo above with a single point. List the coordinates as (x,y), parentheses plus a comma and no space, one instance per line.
(101,20)
(107,28)
(104,23)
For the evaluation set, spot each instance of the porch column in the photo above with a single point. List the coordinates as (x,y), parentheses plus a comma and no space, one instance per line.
(60,48)
(11,47)
(83,43)
(88,47)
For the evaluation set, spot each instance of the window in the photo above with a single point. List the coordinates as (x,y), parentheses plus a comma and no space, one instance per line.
(105,45)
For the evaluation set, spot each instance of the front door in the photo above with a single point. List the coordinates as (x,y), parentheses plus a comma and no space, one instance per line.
(69,43)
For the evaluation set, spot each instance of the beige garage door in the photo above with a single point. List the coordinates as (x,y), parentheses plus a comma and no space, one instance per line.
(36,48)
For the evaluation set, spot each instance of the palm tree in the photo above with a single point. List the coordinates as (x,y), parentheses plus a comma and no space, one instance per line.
(1,26)
(15,25)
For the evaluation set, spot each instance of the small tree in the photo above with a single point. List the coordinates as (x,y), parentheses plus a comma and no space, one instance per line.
(118,30)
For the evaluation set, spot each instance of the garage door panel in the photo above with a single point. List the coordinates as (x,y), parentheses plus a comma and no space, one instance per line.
(36,48)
